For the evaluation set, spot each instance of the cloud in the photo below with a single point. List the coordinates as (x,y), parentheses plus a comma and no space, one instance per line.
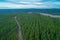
(18,1)
(16,6)
(56,3)
(9,5)
(33,3)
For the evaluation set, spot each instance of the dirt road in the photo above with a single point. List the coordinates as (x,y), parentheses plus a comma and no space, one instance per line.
(20,36)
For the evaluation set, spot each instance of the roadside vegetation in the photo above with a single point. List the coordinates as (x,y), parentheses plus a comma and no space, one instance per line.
(8,28)
(34,26)
(39,27)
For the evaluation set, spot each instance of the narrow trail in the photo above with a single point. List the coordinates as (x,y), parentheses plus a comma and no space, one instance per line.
(20,36)
(50,15)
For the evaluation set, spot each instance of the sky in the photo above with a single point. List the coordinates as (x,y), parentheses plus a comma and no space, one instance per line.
(23,4)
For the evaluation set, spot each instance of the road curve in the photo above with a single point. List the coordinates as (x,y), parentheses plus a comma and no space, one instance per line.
(20,36)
